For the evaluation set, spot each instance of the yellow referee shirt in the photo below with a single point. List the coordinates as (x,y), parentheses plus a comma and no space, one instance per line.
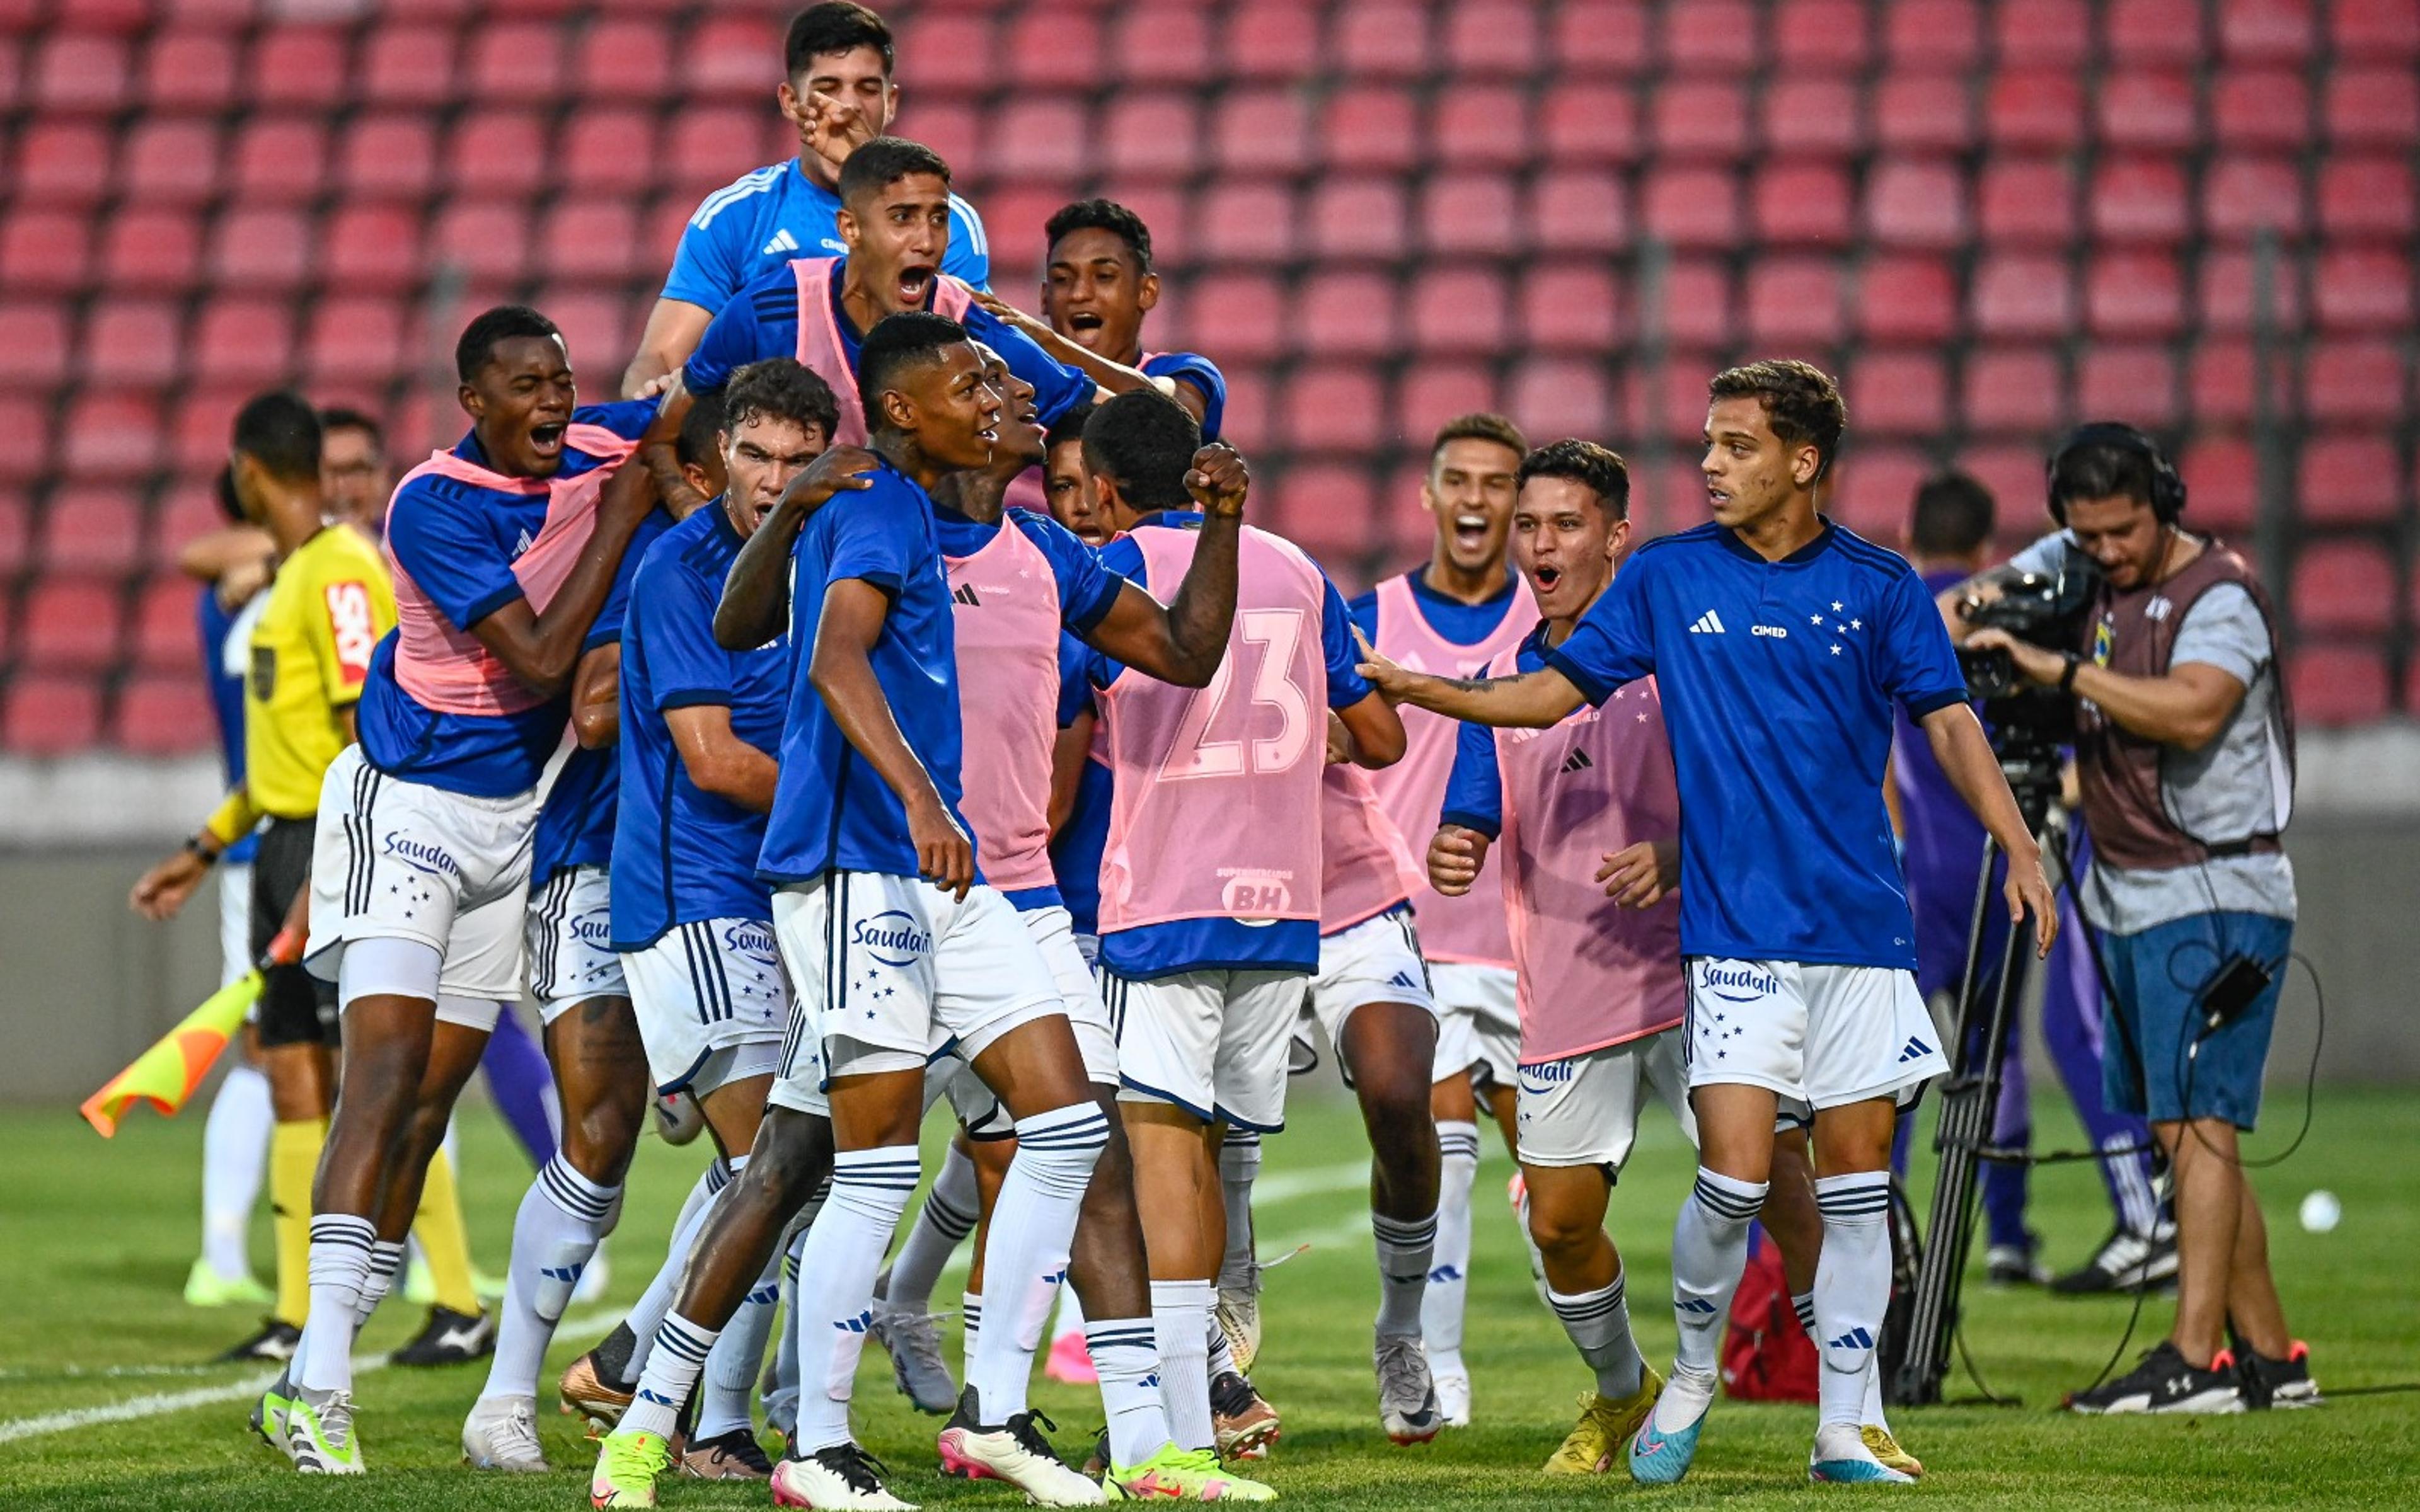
(329,605)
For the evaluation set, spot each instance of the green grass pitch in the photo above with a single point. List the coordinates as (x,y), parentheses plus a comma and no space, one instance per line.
(95,1239)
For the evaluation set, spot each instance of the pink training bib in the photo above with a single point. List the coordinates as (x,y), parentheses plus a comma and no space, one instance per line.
(1592,973)
(820,346)
(1366,868)
(444,667)
(1216,813)
(1004,602)
(1469,928)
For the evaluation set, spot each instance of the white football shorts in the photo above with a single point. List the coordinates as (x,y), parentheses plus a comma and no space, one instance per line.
(1478,1027)
(1212,1043)
(1821,1036)
(1583,1110)
(567,936)
(712,1003)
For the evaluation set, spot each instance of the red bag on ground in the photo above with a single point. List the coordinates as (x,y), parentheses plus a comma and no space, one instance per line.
(1766,1356)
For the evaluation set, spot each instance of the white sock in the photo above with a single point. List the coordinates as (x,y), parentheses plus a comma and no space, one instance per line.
(1127,1353)
(970,1330)
(555,1234)
(1178,1311)
(731,1370)
(1852,1289)
(1709,1251)
(655,1303)
(943,1224)
(1070,1316)
(844,1250)
(235,1151)
(1025,1249)
(1803,1303)
(1218,1353)
(1239,1166)
(680,1352)
(1406,1251)
(340,1267)
(1441,1305)
(782,1402)
(386,1258)
(1599,1325)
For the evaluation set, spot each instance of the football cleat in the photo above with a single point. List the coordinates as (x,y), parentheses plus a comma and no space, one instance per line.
(1453,1395)
(1605,1425)
(500,1434)
(449,1338)
(1660,1456)
(732,1455)
(1885,1447)
(588,1391)
(627,1464)
(914,1344)
(1070,1362)
(275,1342)
(319,1433)
(843,1477)
(1246,1425)
(2164,1382)
(2126,1261)
(1175,1474)
(1239,1312)
(1407,1399)
(206,1287)
(1015,1452)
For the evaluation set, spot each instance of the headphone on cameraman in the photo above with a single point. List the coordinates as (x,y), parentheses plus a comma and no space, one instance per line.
(2167,485)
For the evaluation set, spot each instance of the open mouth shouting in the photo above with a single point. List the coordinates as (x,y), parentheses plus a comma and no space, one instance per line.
(1470,531)
(1547,576)
(916,284)
(546,439)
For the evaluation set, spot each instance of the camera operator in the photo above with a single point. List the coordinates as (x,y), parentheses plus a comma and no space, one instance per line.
(2185,757)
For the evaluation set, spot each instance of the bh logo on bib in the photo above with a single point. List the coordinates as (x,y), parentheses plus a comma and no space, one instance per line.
(1256,894)
(892,938)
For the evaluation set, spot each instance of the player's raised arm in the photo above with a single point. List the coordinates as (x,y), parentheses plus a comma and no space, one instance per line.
(756,594)
(1183,642)
(1113,377)
(1532,700)
(842,669)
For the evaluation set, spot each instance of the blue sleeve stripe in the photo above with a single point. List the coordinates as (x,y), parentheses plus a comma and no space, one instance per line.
(977,238)
(694,697)
(1595,691)
(759,182)
(1487,825)
(479,609)
(1932,703)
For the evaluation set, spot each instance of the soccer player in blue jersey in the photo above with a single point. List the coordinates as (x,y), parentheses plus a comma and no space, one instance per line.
(836,88)
(504,548)
(1780,643)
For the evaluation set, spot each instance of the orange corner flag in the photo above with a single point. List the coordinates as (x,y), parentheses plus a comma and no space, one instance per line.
(166,1075)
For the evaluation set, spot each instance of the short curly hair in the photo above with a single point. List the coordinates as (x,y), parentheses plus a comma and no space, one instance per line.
(777,388)
(1101,215)
(1600,470)
(1801,403)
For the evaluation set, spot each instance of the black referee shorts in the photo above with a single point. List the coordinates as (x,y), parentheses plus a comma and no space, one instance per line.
(296,1008)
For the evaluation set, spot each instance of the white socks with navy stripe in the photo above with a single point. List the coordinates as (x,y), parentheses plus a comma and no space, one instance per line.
(1406,1248)
(1182,1326)
(562,1218)
(340,1269)
(1442,1304)
(870,1189)
(1709,1252)
(1127,1355)
(1599,1325)
(1852,1289)
(1025,1249)
(947,1217)
(655,1303)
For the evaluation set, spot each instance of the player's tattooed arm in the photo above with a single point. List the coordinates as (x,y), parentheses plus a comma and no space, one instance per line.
(841,666)
(1535,700)
(756,604)
(1183,642)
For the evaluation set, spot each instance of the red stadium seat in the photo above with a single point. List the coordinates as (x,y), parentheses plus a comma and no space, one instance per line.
(1918,204)
(1346,314)
(1691,207)
(596,329)
(1801,204)
(2265,31)
(1563,397)
(1813,118)
(1328,509)
(1243,314)
(1460,311)
(947,52)
(709,148)
(2373,107)
(1152,135)
(2354,382)
(51,715)
(2041,33)
(2362,289)
(594,241)
(2259,109)
(2149,112)
(359,339)
(1898,393)
(16,548)
(1467,213)
(408,65)
(146,251)
(2344,586)
(2219,381)
(1261,130)
(2365,197)
(1710,36)
(62,163)
(1163,208)
(623,60)
(2154,32)
(2017,294)
(132,343)
(2338,684)
(27,422)
(164,715)
(1831,37)
(1929,36)
(170,161)
(1272,39)
(1491,37)
(43,252)
(280,160)
(2013,473)
(1906,298)
(93,533)
(1698,118)
(608,152)
(1924,113)
(1331,409)
(1381,39)
(300,66)
(1568,307)
(1045,139)
(1160,43)
(514,63)
(2225,480)
(2140,201)
(2042,111)
(1354,219)
(189,71)
(34,333)
(1694,308)
(394,157)
(2348,480)
(69,625)
(729,56)
(2229,290)
(1589,123)
(373,249)
(260,249)
(1370,127)
(1874,489)
(2014,390)
(2242,196)
(243,342)
(1480,126)
(1795,302)
(486,239)
(2134,294)
(78,72)
(1053,47)
(2374,28)
(2026,202)
(2133,383)
(1245,220)
(1600,38)
(498,154)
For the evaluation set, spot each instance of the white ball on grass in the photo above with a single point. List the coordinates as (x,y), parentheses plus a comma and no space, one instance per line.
(2321,1212)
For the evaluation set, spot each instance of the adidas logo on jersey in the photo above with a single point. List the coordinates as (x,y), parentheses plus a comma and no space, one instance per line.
(1915,1049)
(783,241)
(1709,622)
(966,595)
(1577,762)
(523,544)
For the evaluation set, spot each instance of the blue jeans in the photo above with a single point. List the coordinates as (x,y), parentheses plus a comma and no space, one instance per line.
(2159,1063)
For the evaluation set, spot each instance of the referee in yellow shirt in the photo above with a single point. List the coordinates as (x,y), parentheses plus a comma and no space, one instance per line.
(329,605)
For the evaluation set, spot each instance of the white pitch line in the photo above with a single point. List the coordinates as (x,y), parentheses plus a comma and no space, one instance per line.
(159,1404)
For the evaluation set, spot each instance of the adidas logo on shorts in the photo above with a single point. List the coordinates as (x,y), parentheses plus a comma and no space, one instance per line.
(1915,1049)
